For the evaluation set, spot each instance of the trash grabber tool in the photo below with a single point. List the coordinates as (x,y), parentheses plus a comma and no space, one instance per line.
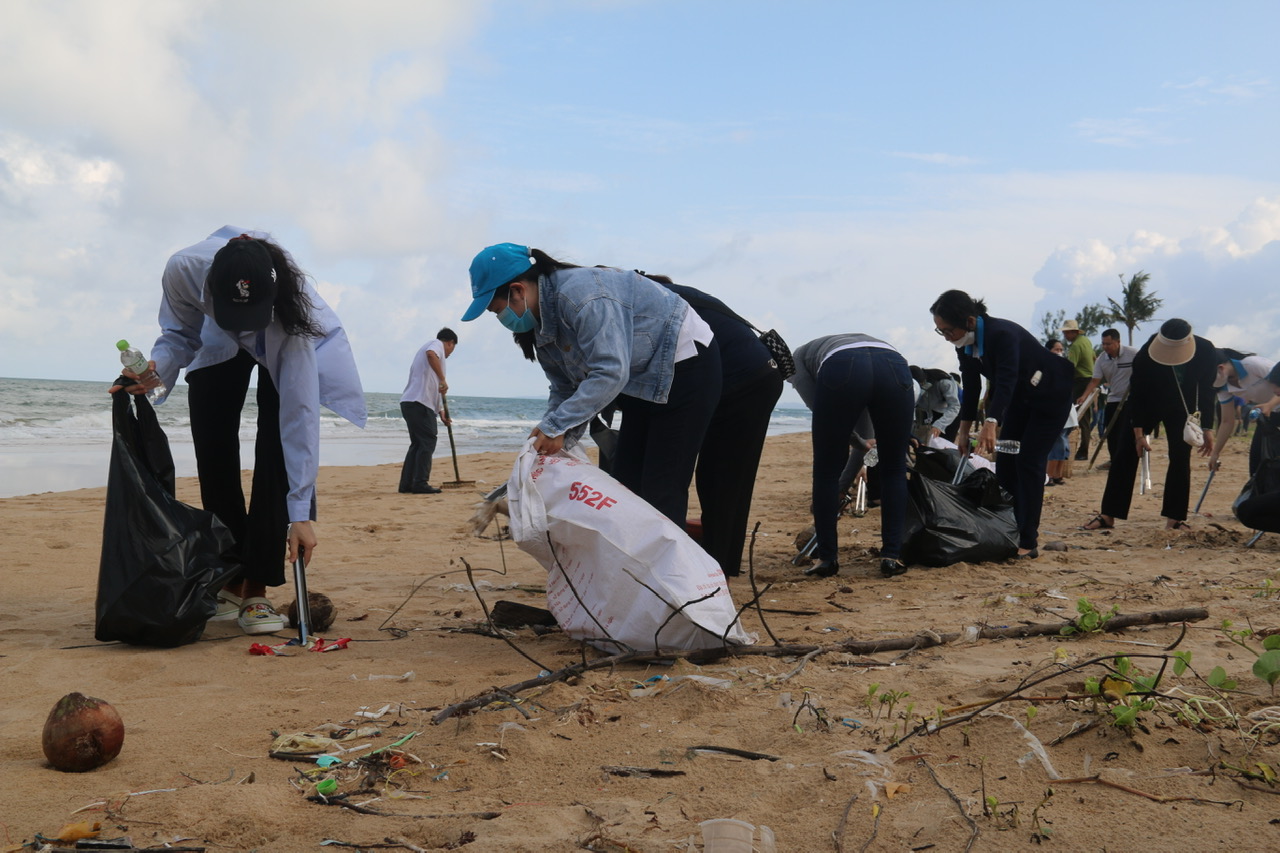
(1207,483)
(304,604)
(1106,431)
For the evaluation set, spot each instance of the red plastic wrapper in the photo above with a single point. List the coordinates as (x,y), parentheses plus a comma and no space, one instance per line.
(322,646)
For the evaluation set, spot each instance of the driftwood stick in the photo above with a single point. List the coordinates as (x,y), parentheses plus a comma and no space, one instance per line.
(837,836)
(1115,623)
(740,753)
(697,656)
(1155,798)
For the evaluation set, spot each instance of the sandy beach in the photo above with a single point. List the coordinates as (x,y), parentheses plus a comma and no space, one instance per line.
(811,741)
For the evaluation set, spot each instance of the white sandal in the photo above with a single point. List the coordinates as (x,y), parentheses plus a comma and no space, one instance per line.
(257,616)
(228,607)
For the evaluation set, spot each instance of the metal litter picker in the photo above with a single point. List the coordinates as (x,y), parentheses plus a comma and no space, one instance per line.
(304,604)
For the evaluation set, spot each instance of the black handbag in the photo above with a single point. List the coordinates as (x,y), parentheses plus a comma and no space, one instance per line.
(782,357)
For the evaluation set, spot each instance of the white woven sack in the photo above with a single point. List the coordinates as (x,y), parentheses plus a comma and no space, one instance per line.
(617,569)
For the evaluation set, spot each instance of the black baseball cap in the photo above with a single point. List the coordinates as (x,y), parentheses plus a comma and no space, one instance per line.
(242,284)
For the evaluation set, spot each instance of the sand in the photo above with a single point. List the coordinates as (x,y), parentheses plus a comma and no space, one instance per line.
(542,773)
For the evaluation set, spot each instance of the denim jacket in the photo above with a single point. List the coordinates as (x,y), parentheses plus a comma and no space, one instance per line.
(604,332)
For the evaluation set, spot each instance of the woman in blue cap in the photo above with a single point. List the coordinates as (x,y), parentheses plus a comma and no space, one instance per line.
(603,336)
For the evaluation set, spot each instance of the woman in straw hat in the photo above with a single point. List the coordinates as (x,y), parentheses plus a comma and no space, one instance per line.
(1173,376)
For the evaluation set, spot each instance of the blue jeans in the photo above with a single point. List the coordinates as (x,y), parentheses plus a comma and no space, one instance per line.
(875,380)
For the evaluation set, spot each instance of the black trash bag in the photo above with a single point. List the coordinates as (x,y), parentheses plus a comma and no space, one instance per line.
(937,463)
(162,561)
(971,522)
(1258,506)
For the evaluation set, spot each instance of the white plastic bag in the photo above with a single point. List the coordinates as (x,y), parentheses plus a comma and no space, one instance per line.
(617,569)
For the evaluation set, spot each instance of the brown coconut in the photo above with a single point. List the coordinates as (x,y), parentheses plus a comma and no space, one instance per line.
(82,733)
(320,608)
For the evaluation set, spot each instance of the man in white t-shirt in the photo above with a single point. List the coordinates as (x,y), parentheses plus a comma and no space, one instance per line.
(422,401)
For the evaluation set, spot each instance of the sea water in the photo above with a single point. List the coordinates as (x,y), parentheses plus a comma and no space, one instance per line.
(55,435)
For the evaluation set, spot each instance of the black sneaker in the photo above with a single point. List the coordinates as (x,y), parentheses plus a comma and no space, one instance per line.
(426,490)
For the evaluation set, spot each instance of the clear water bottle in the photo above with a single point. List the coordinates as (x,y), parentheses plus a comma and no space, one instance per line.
(133,360)
(871,458)
(1008,445)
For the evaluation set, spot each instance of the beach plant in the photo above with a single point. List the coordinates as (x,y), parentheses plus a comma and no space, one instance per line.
(869,699)
(892,698)
(1090,620)
(1265,667)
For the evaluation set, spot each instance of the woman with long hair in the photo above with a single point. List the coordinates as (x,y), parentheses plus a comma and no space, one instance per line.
(230,303)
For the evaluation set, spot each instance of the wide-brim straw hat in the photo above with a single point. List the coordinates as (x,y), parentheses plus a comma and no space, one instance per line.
(1172,350)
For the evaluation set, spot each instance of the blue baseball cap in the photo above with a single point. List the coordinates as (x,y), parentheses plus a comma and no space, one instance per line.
(493,267)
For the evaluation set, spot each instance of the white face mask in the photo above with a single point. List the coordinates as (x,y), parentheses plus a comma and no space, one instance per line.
(967,340)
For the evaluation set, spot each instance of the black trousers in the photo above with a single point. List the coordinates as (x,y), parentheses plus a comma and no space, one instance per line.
(1022,474)
(875,380)
(1261,512)
(728,461)
(216,397)
(424,432)
(1118,495)
(658,443)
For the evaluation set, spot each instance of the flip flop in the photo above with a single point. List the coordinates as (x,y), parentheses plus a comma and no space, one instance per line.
(1098,523)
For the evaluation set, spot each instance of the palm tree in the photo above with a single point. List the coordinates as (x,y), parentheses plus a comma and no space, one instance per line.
(1136,305)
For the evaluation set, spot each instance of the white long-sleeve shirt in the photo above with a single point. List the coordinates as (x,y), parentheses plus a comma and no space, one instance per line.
(307,372)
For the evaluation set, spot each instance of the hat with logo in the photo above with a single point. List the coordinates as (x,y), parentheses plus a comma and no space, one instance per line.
(1071,326)
(1173,344)
(242,285)
(493,267)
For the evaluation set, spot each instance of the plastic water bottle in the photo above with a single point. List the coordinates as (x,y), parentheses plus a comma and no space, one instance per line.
(133,360)
(1008,445)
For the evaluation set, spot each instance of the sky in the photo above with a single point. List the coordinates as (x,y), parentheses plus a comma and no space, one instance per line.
(822,167)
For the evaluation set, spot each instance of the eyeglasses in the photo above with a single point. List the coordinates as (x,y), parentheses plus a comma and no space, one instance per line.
(942,331)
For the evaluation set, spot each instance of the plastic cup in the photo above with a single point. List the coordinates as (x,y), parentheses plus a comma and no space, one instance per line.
(726,835)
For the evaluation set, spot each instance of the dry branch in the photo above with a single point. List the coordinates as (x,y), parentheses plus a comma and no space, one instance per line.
(697,656)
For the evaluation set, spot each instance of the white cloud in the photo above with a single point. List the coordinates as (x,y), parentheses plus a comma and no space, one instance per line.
(1218,277)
